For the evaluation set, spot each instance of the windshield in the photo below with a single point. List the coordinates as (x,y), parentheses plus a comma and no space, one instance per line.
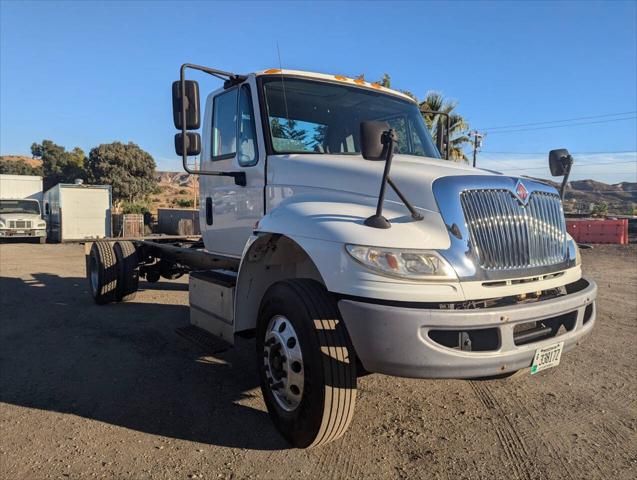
(20,206)
(308,116)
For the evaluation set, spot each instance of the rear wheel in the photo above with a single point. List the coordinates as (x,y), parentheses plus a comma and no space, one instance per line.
(306,363)
(127,271)
(102,272)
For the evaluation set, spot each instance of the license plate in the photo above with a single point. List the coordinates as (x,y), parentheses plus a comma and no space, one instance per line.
(547,357)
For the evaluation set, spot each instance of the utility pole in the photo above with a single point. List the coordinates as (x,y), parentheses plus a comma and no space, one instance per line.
(477,143)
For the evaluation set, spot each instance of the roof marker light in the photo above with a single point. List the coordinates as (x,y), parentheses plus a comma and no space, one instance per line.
(273,70)
(376,85)
(340,77)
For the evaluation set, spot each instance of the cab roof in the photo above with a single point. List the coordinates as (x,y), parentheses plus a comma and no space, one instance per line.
(354,82)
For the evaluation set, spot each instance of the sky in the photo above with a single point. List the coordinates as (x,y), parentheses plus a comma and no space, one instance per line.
(551,74)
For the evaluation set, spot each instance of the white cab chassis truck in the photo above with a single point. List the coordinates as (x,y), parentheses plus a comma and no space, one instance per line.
(21,208)
(335,232)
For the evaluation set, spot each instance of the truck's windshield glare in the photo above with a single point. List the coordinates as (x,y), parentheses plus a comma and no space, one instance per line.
(20,206)
(308,116)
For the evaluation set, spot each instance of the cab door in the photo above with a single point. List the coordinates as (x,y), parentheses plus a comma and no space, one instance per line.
(232,143)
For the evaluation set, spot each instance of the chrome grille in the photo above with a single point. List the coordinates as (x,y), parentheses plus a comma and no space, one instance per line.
(509,235)
(19,224)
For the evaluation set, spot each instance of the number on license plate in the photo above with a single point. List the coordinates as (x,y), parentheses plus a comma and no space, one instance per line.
(547,357)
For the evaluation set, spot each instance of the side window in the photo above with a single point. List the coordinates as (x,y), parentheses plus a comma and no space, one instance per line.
(224,125)
(247,141)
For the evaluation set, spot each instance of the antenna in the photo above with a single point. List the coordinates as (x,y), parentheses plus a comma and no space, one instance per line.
(285,100)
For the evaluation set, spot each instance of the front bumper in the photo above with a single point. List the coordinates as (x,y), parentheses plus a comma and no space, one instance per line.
(397,340)
(22,233)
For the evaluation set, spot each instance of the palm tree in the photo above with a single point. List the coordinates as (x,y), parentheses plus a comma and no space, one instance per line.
(434,101)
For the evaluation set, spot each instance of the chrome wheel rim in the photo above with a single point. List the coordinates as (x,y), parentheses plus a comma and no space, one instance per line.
(283,361)
(94,274)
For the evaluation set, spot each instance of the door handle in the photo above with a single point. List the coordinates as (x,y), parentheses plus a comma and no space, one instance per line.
(208,211)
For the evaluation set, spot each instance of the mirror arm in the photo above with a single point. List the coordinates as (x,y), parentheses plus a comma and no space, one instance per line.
(447,148)
(377,220)
(239,177)
(569,164)
(414,214)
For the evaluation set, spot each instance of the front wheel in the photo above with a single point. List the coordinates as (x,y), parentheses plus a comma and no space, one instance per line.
(306,363)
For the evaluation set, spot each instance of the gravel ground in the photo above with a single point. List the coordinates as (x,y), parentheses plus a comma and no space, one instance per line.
(114,392)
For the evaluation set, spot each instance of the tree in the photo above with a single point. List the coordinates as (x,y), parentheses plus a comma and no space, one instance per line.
(600,209)
(436,124)
(126,167)
(58,165)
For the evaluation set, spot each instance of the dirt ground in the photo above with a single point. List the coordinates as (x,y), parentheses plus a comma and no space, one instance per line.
(114,392)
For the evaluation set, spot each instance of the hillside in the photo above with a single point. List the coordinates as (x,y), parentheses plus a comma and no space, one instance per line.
(32,162)
(175,189)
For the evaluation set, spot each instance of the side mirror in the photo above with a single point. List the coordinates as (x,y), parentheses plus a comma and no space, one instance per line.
(372,147)
(560,162)
(193,120)
(193,144)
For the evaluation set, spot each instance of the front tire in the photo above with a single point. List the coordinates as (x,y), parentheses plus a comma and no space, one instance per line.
(306,363)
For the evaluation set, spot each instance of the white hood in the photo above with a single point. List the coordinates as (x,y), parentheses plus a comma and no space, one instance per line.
(414,176)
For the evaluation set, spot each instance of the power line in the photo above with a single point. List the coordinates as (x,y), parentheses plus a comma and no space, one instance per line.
(573,153)
(561,121)
(560,126)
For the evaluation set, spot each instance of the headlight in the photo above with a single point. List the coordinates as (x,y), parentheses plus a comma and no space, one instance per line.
(414,264)
(41,224)
(2,224)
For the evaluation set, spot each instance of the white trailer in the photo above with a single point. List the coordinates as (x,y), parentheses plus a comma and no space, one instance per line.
(21,208)
(336,277)
(78,212)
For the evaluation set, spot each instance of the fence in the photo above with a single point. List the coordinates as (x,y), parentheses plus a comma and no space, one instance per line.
(598,231)
(128,225)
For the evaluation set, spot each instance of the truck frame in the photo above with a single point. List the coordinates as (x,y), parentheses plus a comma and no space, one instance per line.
(335,233)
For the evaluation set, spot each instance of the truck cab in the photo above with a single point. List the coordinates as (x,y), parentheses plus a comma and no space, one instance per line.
(340,236)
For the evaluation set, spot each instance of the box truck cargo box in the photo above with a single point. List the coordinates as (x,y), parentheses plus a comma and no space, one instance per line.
(78,212)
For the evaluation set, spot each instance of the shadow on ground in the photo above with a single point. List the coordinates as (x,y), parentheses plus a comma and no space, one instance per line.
(123,364)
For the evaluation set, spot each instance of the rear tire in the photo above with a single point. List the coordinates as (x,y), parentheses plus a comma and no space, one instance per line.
(102,273)
(127,271)
(324,367)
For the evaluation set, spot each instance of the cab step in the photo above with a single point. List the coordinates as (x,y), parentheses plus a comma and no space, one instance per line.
(211,297)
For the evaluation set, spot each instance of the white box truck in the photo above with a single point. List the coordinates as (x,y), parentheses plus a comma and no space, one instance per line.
(337,233)
(75,211)
(20,207)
